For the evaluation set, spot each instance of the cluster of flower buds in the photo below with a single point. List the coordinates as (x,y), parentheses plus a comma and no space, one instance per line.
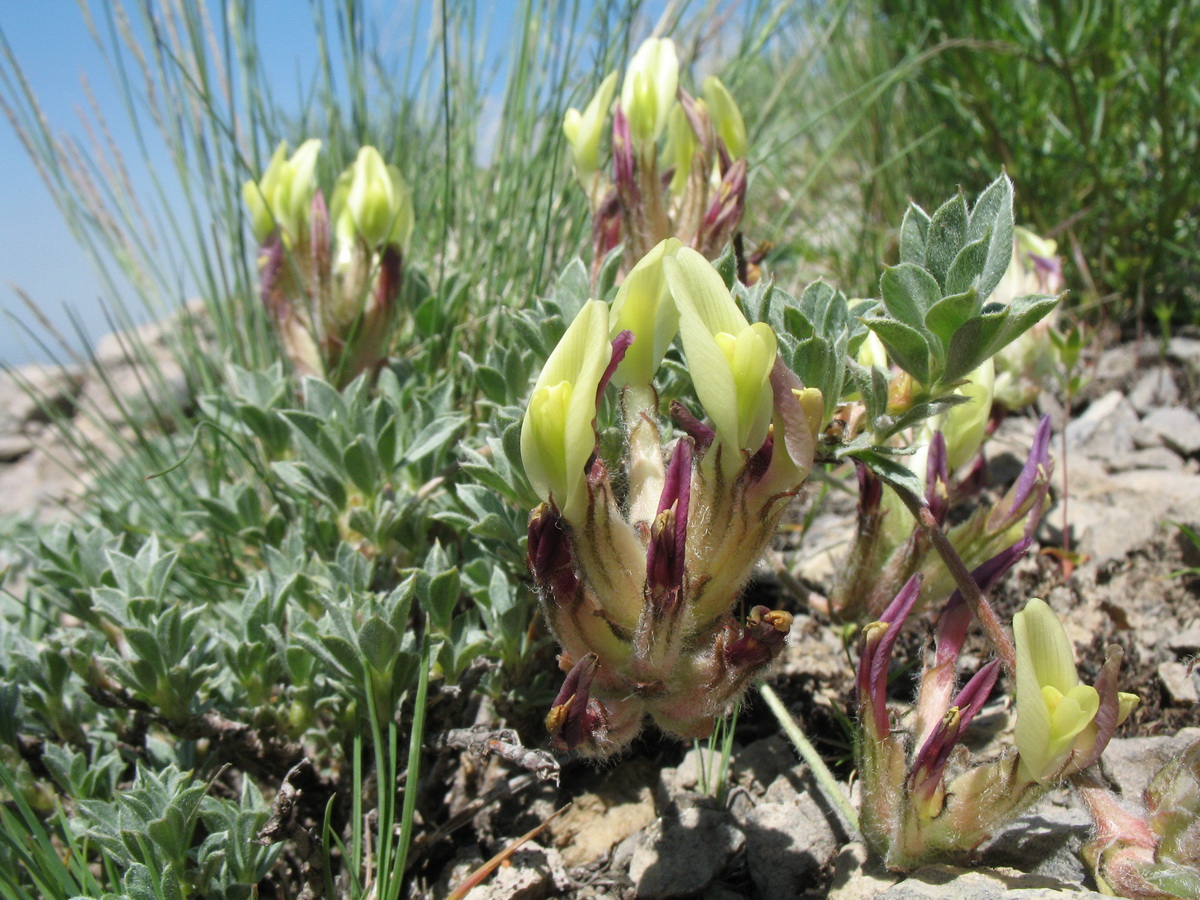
(331,273)
(693,187)
(640,562)
(921,797)
(1028,364)
(888,549)
(1151,853)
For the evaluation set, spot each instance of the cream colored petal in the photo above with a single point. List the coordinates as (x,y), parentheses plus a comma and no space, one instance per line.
(643,305)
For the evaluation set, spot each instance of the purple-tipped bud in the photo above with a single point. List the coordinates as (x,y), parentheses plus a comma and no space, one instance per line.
(878,640)
(575,717)
(956,617)
(727,207)
(623,159)
(549,555)
(700,433)
(271,262)
(606,228)
(318,231)
(698,122)
(665,554)
(762,638)
(870,491)
(937,479)
(937,683)
(925,779)
(620,344)
(1027,496)
(391,268)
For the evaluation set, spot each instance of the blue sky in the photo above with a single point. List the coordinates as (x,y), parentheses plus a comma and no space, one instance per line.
(55,50)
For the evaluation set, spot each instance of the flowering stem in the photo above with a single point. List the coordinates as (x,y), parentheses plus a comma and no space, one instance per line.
(1001,643)
(825,781)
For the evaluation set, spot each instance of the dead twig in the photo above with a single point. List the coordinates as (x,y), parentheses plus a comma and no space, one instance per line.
(505,743)
(282,826)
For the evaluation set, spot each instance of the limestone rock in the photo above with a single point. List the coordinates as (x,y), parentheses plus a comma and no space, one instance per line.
(1173,427)
(1105,429)
(1153,389)
(681,856)
(1130,763)
(788,846)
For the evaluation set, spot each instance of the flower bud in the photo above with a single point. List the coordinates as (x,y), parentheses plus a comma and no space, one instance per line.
(283,196)
(649,90)
(583,130)
(726,117)
(378,201)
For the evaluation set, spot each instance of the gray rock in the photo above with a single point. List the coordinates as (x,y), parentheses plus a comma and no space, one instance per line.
(1116,364)
(1185,641)
(1146,458)
(681,856)
(1185,350)
(1179,683)
(1130,763)
(1173,427)
(34,393)
(1105,429)
(955,883)
(788,846)
(1045,842)
(1155,388)
(14,446)
(534,874)
(1112,514)
(759,765)
(856,875)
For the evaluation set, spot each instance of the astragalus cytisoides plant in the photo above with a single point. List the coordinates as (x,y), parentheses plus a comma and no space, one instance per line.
(640,588)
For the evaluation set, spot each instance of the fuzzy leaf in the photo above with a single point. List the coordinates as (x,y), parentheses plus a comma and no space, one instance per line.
(908,293)
(905,345)
(946,235)
(913,231)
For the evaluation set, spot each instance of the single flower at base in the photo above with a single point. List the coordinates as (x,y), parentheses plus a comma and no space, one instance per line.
(557,436)
(644,306)
(1055,711)
(729,359)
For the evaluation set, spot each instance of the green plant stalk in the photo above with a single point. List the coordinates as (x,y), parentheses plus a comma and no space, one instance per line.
(1001,643)
(412,775)
(825,781)
(357,811)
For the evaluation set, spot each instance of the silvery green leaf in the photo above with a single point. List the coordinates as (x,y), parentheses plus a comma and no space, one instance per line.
(905,345)
(992,222)
(908,293)
(946,235)
(913,231)
(967,269)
